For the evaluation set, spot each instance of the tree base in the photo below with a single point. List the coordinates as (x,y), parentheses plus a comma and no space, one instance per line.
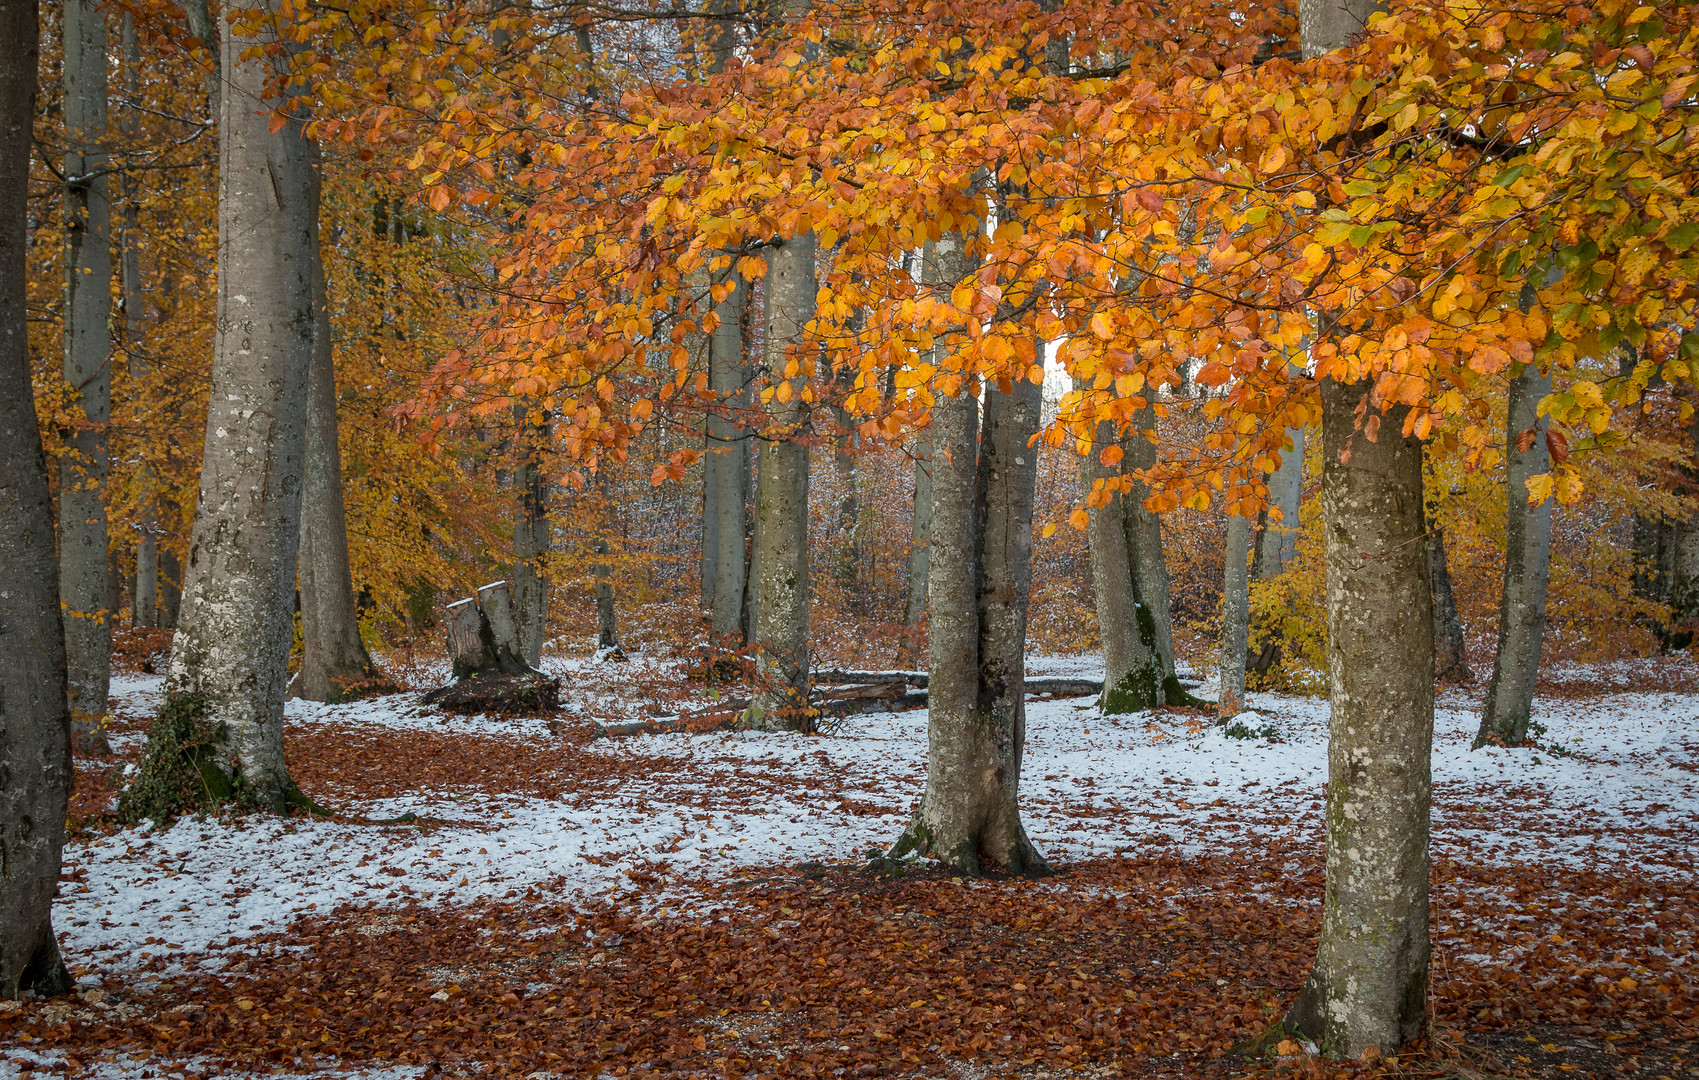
(498,693)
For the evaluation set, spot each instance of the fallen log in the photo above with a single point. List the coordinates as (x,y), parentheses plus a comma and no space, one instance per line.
(834,677)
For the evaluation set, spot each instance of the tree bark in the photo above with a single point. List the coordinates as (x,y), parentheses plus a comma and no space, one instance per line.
(334,661)
(728,461)
(848,526)
(1527,565)
(1682,540)
(531,539)
(780,701)
(1277,541)
(144,598)
(1451,655)
(84,571)
(1368,987)
(607,629)
(1144,545)
(170,587)
(1235,617)
(977,593)
(920,548)
(35,721)
(233,637)
(1132,676)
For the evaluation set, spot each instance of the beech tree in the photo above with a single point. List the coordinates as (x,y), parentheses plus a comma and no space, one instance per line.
(85,572)
(35,724)
(977,594)
(1367,991)
(1527,567)
(231,649)
(334,663)
(780,701)
(1235,616)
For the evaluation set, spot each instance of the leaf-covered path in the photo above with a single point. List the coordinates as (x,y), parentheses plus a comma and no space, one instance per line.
(695,906)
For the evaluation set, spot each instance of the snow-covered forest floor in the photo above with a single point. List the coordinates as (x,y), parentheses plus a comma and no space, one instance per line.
(697,905)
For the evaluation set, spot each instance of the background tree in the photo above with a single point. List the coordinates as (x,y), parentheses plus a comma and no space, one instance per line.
(85,574)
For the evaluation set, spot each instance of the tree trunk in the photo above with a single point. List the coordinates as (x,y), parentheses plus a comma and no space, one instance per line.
(780,701)
(204,26)
(531,539)
(1527,564)
(144,598)
(170,587)
(1132,676)
(83,567)
(919,552)
(334,661)
(1682,540)
(1144,544)
(752,552)
(848,525)
(607,630)
(728,462)
(977,591)
(1451,655)
(1277,541)
(1368,987)
(1235,617)
(35,731)
(232,643)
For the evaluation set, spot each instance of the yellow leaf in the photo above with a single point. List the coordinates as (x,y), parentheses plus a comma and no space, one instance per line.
(1539,488)
(1102,325)
(1079,519)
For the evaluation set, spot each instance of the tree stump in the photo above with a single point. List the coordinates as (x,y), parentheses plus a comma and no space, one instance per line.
(490,672)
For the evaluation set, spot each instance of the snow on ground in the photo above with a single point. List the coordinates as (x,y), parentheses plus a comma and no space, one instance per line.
(709,804)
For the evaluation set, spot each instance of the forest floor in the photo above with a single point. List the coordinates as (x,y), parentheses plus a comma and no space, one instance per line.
(696,906)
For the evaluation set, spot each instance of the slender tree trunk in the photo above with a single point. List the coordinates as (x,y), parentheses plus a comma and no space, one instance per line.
(752,551)
(170,587)
(1144,541)
(203,24)
(1277,541)
(531,538)
(848,526)
(1235,617)
(334,663)
(1682,541)
(1451,655)
(144,597)
(607,629)
(84,582)
(35,722)
(728,460)
(780,701)
(1527,564)
(1132,676)
(1368,987)
(920,548)
(232,643)
(977,589)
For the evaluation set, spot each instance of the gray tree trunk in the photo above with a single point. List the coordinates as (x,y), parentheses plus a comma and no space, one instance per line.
(1451,654)
(1368,987)
(920,548)
(1527,565)
(203,24)
(35,722)
(752,554)
(977,591)
(334,663)
(233,637)
(1132,676)
(170,587)
(1235,617)
(1682,542)
(1277,542)
(848,526)
(531,539)
(144,598)
(728,462)
(780,701)
(607,628)
(1144,545)
(84,584)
